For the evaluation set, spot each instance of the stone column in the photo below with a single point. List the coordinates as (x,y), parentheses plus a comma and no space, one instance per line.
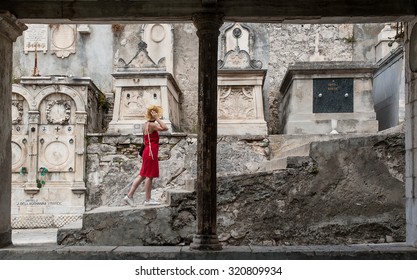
(33,133)
(80,153)
(411,135)
(208,26)
(10,29)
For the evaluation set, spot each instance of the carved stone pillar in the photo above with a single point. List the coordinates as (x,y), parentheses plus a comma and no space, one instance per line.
(10,29)
(81,122)
(411,135)
(208,26)
(30,187)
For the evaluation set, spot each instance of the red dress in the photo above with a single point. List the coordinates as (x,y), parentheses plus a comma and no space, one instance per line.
(150,165)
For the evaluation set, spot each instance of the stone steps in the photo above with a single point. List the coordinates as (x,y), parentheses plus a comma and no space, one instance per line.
(284,147)
(130,226)
(136,226)
(393,251)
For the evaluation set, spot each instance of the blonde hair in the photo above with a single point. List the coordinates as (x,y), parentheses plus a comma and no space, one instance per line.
(149,109)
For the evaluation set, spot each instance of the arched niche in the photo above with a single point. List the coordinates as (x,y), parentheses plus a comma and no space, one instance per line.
(62,89)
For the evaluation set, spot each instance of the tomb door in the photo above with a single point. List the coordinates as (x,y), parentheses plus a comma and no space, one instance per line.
(333,95)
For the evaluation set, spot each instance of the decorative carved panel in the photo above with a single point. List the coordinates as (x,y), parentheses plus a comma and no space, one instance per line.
(19,152)
(17,112)
(33,117)
(237,42)
(236,103)
(63,39)
(56,153)
(238,37)
(58,112)
(135,100)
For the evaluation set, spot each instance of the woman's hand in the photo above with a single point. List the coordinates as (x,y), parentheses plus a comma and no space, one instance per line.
(162,126)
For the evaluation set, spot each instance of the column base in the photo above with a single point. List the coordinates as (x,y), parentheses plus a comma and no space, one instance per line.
(5,239)
(411,238)
(205,243)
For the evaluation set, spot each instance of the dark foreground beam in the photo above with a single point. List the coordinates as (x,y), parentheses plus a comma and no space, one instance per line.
(295,11)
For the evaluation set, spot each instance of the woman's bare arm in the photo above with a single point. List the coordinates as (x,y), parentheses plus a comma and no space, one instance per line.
(158,125)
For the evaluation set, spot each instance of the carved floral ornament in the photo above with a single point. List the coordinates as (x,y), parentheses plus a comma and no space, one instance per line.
(238,59)
(236,102)
(33,117)
(17,112)
(58,112)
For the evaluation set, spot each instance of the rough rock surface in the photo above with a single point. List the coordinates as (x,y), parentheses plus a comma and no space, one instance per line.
(347,191)
(113,163)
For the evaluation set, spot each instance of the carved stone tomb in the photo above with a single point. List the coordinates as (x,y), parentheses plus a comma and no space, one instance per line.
(49,116)
(145,78)
(240,82)
(323,98)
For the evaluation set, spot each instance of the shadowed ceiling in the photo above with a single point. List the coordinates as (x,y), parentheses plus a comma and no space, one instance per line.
(292,11)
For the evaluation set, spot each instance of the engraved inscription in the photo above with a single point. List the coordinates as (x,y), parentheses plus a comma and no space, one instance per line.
(333,95)
(36,38)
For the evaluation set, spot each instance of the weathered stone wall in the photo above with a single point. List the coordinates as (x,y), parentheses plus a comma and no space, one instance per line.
(293,43)
(93,58)
(364,40)
(113,163)
(350,191)
(347,191)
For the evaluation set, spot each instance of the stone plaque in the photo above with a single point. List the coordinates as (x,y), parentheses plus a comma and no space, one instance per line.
(333,95)
(36,36)
(63,39)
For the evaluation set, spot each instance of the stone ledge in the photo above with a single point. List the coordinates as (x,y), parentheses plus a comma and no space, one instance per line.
(390,251)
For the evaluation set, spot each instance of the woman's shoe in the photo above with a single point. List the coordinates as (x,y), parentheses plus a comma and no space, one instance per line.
(129,201)
(151,202)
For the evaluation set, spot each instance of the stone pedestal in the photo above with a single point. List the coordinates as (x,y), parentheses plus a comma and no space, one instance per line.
(50,119)
(10,29)
(135,91)
(323,97)
(240,104)
(240,82)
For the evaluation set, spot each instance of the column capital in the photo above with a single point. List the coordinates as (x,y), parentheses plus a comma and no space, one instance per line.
(207,22)
(10,26)
(33,117)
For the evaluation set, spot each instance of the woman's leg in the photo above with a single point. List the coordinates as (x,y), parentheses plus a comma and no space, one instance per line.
(135,185)
(148,188)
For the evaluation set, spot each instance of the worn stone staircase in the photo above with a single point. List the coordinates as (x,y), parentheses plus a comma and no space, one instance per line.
(136,226)
(284,147)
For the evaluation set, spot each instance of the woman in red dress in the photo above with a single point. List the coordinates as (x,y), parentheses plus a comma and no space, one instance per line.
(150,165)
